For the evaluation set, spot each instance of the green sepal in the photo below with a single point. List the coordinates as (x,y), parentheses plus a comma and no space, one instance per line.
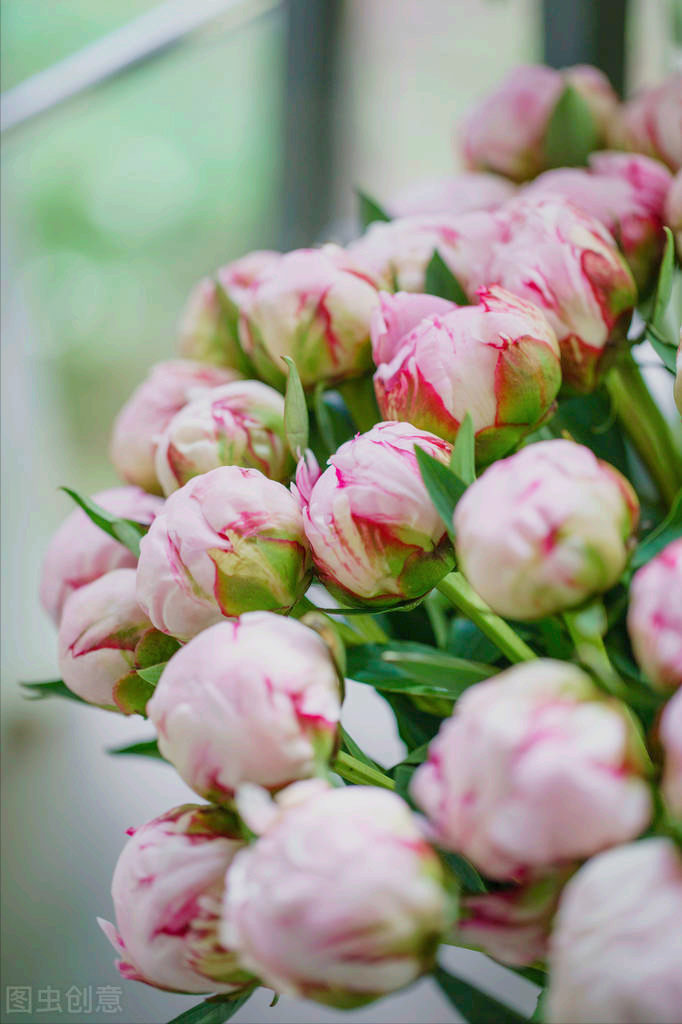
(440,281)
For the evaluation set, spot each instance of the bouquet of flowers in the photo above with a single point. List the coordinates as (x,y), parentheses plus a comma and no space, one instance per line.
(427,461)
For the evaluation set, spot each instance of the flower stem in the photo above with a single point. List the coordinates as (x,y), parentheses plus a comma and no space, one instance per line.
(463,597)
(353,770)
(646,427)
(358,394)
(586,627)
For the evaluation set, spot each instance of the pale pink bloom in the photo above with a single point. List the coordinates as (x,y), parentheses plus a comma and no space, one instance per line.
(616,947)
(314,306)
(651,122)
(167,890)
(209,326)
(80,552)
(396,317)
(544,529)
(375,534)
(340,900)
(99,636)
(227,542)
(535,769)
(255,700)
(456,193)
(510,924)
(626,193)
(237,424)
(673,210)
(499,361)
(670,731)
(397,253)
(167,388)
(507,131)
(655,617)
(565,261)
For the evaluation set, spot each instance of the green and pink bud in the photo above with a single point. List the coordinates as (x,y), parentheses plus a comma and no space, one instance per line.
(655,617)
(167,889)
(545,529)
(499,361)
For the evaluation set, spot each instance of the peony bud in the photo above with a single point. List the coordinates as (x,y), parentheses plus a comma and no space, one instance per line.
(79,552)
(535,769)
(167,890)
(313,306)
(627,195)
(228,542)
(651,123)
(457,193)
(655,617)
(256,700)
(167,388)
(507,131)
(616,948)
(340,901)
(567,263)
(209,327)
(510,924)
(101,636)
(545,529)
(397,253)
(374,532)
(673,210)
(499,361)
(238,424)
(671,739)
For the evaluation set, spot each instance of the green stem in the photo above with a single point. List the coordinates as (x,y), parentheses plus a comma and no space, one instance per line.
(460,594)
(358,394)
(349,768)
(646,427)
(585,627)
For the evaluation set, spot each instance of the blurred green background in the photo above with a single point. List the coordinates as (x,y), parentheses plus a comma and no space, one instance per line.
(113,205)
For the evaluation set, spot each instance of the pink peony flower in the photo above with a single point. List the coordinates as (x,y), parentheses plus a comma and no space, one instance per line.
(616,947)
(506,133)
(314,306)
(498,360)
(79,552)
(456,193)
(340,900)
(627,195)
(227,542)
(535,769)
(651,123)
(546,528)
(238,424)
(167,891)
(671,739)
(375,535)
(167,388)
(255,700)
(209,327)
(655,617)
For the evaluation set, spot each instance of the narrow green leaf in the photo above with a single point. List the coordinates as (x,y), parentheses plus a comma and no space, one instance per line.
(415,669)
(572,133)
(152,673)
(464,872)
(325,423)
(664,285)
(350,746)
(475,1006)
(415,727)
(126,531)
(463,458)
(444,488)
(667,531)
(295,412)
(664,349)
(215,1010)
(539,1011)
(369,210)
(52,688)
(442,282)
(144,748)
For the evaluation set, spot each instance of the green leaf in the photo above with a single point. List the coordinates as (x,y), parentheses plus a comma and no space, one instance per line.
(415,727)
(154,648)
(466,640)
(215,1010)
(415,669)
(350,746)
(663,348)
(152,673)
(325,423)
(475,1006)
(664,285)
(132,693)
(538,1013)
(667,531)
(369,210)
(464,872)
(444,488)
(53,688)
(442,282)
(572,133)
(126,531)
(463,458)
(144,748)
(295,412)
(591,420)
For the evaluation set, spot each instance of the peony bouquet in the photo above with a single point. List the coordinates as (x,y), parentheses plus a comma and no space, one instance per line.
(427,461)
